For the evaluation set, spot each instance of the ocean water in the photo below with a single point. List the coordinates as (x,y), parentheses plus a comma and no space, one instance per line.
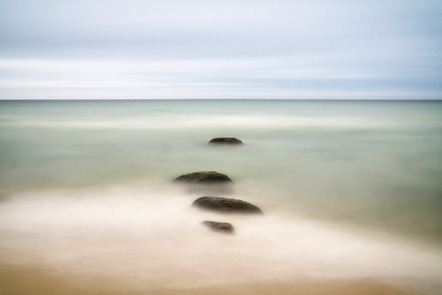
(349,189)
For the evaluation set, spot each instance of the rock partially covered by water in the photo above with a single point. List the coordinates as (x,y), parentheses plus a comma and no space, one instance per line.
(225,140)
(203,177)
(226,205)
(219,226)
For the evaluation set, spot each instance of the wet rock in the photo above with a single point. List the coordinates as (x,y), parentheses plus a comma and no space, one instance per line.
(226,205)
(203,177)
(225,140)
(219,226)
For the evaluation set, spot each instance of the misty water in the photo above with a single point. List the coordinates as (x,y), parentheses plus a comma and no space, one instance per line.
(349,189)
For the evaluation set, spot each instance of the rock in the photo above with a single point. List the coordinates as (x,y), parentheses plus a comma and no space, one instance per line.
(226,205)
(225,140)
(203,177)
(219,226)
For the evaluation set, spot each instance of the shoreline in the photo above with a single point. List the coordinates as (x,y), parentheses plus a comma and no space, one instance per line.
(28,280)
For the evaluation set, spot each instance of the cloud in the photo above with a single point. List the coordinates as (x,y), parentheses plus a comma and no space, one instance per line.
(219,48)
(203,78)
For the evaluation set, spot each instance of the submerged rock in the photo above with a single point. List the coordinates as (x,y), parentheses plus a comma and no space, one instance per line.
(225,140)
(219,226)
(203,177)
(226,205)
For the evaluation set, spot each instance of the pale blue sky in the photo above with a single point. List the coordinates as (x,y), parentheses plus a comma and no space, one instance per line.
(137,49)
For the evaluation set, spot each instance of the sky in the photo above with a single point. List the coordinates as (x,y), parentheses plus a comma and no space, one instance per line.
(184,49)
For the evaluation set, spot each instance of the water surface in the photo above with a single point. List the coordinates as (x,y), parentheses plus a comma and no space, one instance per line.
(348,188)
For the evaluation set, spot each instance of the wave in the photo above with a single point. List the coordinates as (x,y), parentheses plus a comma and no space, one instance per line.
(196,121)
(151,234)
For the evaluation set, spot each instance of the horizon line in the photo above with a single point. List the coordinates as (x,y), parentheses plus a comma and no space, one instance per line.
(218,99)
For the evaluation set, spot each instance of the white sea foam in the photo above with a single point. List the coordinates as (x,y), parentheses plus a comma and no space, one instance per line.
(151,235)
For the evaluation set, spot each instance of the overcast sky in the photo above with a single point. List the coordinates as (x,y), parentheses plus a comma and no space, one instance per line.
(92,49)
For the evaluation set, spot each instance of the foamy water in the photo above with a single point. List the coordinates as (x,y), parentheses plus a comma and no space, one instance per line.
(345,195)
(151,236)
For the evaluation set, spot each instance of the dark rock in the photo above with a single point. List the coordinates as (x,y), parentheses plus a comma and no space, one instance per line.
(219,226)
(226,205)
(225,140)
(203,177)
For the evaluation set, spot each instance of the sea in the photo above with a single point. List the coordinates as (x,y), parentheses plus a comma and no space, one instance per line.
(349,189)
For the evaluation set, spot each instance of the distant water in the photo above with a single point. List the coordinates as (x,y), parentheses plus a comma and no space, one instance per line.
(348,188)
